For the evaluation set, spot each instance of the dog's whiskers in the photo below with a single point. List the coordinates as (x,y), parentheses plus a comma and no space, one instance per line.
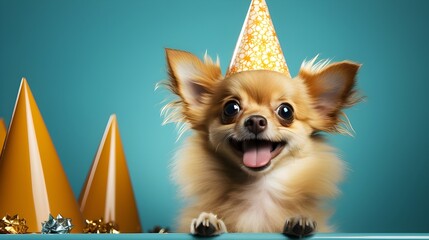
(223,140)
(217,147)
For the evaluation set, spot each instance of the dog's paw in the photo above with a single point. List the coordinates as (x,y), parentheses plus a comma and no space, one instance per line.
(206,225)
(299,227)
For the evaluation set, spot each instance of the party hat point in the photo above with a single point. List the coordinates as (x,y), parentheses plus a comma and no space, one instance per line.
(3,132)
(31,171)
(258,47)
(107,192)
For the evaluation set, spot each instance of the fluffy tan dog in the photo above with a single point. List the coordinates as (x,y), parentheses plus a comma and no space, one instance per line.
(255,161)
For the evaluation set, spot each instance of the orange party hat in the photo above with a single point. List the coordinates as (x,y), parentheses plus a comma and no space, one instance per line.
(32,179)
(3,132)
(258,47)
(107,192)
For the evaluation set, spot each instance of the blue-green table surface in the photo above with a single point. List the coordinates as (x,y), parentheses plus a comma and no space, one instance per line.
(230,236)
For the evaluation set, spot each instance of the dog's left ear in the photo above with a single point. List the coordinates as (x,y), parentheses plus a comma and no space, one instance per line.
(192,80)
(332,89)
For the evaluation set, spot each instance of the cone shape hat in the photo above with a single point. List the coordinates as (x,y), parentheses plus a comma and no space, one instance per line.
(32,180)
(3,132)
(107,192)
(258,47)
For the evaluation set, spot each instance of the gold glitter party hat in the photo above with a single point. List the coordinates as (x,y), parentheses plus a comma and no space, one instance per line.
(107,192)
(32,179)
(3,132)
(258,47)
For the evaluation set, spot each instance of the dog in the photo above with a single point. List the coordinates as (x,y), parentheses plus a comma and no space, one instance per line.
(256,160)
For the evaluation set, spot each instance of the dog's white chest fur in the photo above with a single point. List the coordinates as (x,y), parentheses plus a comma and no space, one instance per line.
(258,207)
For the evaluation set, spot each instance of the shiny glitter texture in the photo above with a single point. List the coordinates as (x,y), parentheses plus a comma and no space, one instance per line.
(13,225)
(59,225)
(99,226)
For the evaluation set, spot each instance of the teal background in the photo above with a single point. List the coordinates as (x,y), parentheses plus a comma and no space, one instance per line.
(87,59)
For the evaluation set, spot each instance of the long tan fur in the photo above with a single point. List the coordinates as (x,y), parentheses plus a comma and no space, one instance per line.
(305,174)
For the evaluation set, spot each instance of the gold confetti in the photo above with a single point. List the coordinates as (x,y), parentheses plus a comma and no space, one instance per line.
(13,225)
(99,226)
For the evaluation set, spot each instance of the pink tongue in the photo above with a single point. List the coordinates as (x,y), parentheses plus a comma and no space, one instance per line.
(256,153)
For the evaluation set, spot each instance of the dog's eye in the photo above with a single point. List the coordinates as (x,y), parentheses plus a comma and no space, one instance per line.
(285,112)
(231,109)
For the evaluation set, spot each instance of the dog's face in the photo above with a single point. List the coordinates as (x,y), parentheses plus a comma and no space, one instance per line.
(258,118)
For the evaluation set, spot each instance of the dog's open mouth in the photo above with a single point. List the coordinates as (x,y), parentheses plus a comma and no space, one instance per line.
(257,154)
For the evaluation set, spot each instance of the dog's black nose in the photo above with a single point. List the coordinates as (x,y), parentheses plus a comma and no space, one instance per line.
(256,123)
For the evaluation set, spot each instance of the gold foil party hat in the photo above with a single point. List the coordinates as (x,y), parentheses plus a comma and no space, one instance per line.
(3,132)
(107,192)
(258,47)
(32,180)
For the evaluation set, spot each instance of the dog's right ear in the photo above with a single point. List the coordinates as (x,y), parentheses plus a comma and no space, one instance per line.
(192,80)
